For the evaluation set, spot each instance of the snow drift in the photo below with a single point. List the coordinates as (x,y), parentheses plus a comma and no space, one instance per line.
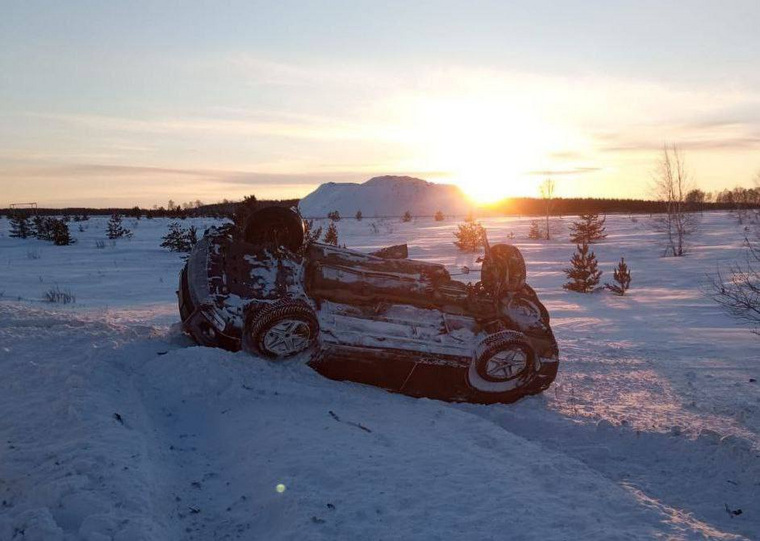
(385,196)
(115,426)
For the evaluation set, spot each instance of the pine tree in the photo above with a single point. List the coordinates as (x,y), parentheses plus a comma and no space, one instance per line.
(359,216)
(470,236)
(439,217)
(331,235)
(179,239)
(584,275)
(115,230)
(42,228)
(535,231)
(588,229)
(20,226)
(243,210)
(334,215)
(311,233)
(622,277)
(407,217)
(59,233)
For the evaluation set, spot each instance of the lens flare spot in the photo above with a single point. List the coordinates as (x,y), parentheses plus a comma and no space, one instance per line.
(280,488)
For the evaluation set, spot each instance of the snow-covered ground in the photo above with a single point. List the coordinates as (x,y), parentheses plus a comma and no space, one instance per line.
(114,426)
(384,196)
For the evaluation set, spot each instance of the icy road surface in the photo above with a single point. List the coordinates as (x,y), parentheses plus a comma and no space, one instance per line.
(114,426)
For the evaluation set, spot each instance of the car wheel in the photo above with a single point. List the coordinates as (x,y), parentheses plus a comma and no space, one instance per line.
(502,362)
(281,329)
(280,226)
(525,310)
(503,269)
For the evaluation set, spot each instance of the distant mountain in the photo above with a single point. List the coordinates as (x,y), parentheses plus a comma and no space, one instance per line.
(385,196)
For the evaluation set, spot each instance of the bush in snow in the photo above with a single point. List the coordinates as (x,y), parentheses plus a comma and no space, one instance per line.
(407,217)
(738,291)
(470,236)
(20,226)
(439,217)
(546,189)
(42,228)
(56,294)
(59,232)
(622,278)
(334,215)
(311,234)
(584,275)
(359,216)
(52,230)
(535,231)
(588,229)
(672,183)
(180,239)
(115,230)
(241,211)
(331,235)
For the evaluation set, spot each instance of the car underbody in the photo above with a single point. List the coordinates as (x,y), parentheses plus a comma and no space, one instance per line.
(396,323)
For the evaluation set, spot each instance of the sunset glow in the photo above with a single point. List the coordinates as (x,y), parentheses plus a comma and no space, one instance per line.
(269,103)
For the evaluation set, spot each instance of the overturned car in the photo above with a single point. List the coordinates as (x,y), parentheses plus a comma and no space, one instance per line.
(379,319)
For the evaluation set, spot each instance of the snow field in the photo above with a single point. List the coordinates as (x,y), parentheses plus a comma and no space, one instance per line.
(115,426)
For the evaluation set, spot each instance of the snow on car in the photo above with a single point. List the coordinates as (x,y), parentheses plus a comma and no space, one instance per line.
(378,319)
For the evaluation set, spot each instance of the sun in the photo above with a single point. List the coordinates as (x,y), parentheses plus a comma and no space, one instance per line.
(490,149)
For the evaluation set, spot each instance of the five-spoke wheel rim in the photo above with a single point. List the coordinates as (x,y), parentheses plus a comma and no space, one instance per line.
(507,364)
(287,337)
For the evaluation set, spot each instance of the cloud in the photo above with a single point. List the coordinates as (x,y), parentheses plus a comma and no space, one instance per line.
(561,172)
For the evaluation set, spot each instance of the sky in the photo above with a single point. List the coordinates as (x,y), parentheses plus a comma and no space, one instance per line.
(125,103)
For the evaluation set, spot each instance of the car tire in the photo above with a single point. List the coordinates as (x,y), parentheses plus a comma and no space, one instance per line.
(280,329)
(279,226)
(525,310)
(503,269)
(502,362)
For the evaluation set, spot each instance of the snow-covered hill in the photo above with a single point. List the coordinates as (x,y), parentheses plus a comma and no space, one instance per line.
(113,425)
(385,196)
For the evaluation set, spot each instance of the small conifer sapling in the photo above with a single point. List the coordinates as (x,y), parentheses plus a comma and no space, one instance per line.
(20,226)
(331,235)
(59,233)
(469,236)
(584,274)
(535,231)
(115,230)
(621,277)
(588,229)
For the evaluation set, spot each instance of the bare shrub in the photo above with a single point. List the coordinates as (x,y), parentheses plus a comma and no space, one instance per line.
(58,295)
(737,289)
(672,185)
(546,189)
